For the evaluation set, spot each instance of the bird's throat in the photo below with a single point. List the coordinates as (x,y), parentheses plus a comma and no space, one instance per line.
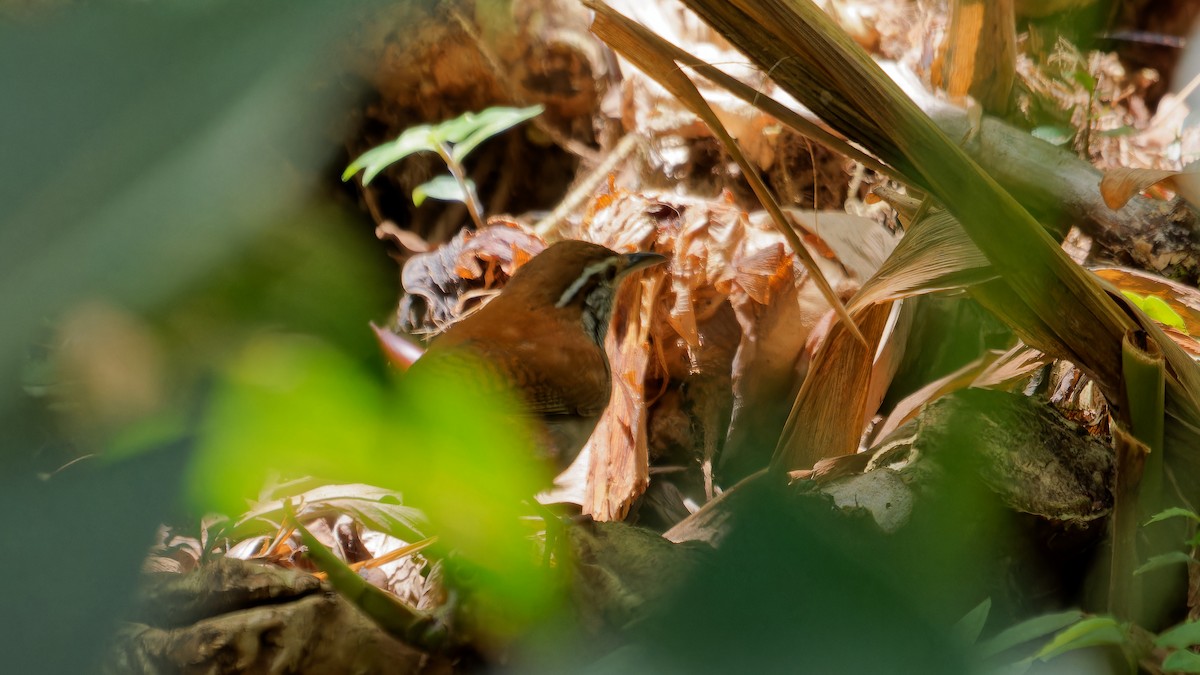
(597,311)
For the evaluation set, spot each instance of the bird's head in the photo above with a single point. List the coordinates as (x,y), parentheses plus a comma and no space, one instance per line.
(580,278)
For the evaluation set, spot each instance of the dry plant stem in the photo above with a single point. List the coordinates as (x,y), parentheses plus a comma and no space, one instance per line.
(621,34)
(548,227)
(456,170)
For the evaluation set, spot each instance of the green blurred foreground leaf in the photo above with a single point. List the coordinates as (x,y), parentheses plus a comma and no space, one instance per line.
(298,406)
(1182,662)
(971,625)
(1093,632)
(1163,560)
(1174,512)
(1029,630)
(1180,637)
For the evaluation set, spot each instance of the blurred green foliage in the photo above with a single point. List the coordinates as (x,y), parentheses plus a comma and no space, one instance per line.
(162,161)
(298,404)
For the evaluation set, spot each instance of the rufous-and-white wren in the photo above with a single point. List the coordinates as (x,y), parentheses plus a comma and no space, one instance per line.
(544,334)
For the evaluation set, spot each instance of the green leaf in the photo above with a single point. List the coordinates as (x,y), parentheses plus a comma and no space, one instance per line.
(1085,79)
(1163,560)
(1139,300)
(1156,308)
(1093,632)
(1028,630)
(446,188)
(1182,661)
(465,131)
(1054,134)
(372,162)
(1180,637)
(1174,512)
(489,123)
(1120,131)
(970,626)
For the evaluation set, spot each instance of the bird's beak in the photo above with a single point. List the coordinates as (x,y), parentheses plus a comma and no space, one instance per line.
(641,260)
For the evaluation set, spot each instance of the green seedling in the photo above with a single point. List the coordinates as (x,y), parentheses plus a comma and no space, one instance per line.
(452,140)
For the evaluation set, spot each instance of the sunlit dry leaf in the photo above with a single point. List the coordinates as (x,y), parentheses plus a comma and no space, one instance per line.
(893,344)
(832,468)
(1121,184)
(435,281)
(1015,364)
(935,255)
(859,244)
(780,336)
(621,34)
(620,462)
(758,273)
(405,239)
(827,417)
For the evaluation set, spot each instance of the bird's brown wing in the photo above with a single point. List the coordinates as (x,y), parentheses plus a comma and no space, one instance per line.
(555,386)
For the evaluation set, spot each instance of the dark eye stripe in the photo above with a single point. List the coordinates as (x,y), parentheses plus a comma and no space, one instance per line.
(606,269)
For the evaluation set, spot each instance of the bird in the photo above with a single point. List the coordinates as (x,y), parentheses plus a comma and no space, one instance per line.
(544,336)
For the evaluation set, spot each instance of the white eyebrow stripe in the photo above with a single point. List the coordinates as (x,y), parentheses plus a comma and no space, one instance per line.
(588,272)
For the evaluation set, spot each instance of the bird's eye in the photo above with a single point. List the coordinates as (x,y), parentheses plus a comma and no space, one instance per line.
(610,273)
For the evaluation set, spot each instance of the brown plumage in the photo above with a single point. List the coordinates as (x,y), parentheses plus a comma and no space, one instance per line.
(544,334)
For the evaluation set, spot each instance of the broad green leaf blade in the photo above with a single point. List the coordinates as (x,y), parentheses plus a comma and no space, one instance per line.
(457,130)
(444,188)
(372,162)
(1156,308)
(970,626)
(1093,632)
(1182,661)
(1027,631)
(1164,560)
(487,124)
(1019,668)
(1180,637)
(1161,312)
(1174,512)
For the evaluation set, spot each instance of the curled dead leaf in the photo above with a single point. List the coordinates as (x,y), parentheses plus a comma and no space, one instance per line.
(1120,185)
